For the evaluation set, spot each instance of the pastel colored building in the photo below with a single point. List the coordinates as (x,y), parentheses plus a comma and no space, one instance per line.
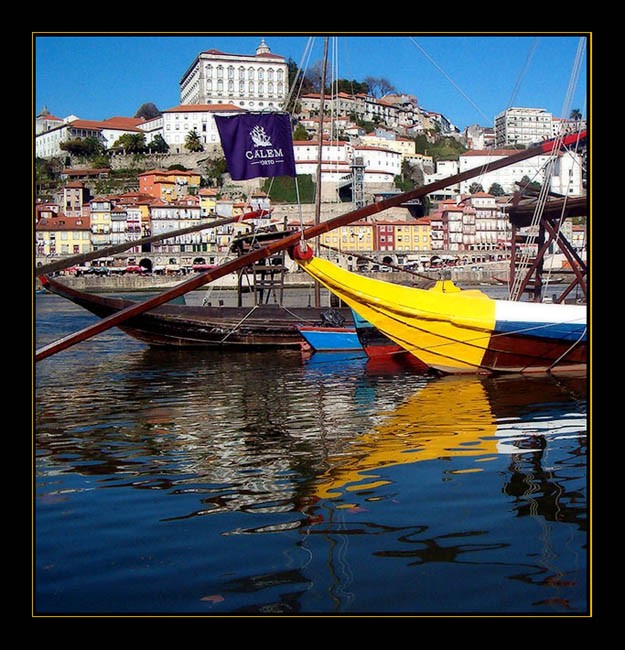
(169,185)
(62,235)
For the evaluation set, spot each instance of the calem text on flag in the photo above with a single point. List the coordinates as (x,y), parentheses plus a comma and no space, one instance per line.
(257,144)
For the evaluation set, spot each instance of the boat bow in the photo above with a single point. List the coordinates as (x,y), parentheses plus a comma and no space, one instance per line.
(461,331)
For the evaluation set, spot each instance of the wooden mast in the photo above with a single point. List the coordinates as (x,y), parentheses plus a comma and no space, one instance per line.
(292,240)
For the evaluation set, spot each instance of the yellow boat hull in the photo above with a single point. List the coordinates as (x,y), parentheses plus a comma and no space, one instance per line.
(455,331)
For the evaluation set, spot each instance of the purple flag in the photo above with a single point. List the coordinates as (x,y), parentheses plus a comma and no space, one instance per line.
(257,144)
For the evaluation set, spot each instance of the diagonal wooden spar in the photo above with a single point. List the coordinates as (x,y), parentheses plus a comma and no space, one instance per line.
(120,248)
(291,240)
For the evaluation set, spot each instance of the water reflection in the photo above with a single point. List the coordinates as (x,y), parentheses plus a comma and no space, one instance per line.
(347,468)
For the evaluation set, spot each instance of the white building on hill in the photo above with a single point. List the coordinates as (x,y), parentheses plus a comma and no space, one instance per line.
(254,82)
(566,177)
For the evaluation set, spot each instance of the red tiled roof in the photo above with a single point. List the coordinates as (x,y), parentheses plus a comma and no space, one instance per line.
(491,152)
(124,121)
(167,172)
(86,124)
(116,123)
(269,55)
(204,108)
(369,148)
(61,222)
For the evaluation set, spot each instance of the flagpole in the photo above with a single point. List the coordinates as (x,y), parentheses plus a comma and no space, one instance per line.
(322,100)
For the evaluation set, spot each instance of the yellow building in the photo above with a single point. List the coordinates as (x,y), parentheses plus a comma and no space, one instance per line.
(208,201)
(61,235)
(401,236)
(101,209)
(413,235)
(358,236)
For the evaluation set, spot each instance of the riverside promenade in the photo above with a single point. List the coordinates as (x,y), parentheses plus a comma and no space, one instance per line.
(477,274)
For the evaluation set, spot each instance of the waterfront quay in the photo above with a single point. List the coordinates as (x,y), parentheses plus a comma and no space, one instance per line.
(476,274)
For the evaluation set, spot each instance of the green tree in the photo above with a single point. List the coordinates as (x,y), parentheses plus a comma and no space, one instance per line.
(131,143)
(300,133)
(214,170)
(350,86)
(527,183)
(158,145)
(576,114)
(496,190)
(475,187)
(147,111)
(87,147)
(192,142)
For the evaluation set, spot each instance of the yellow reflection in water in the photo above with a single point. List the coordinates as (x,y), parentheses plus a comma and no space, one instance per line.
(449,417)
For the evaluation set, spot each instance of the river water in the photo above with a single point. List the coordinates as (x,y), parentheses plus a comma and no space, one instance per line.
(205,483)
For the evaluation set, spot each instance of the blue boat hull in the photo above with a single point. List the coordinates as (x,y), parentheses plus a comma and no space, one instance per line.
(331,339)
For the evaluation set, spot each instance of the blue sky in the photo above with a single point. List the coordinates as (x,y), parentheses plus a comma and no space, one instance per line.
(468,78)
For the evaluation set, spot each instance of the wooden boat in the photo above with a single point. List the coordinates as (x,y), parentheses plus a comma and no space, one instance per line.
(379,347)
(330,339)
(454,331)
(258,327)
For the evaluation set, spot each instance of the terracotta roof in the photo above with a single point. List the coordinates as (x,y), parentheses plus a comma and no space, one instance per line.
(123,122)
(118,124)
(491,152)
(369,148)
(204,108)
(61,222)
(269,55)
(325,143)
(168,172)
(86,124)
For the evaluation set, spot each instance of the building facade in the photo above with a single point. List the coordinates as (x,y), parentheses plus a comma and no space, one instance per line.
(522,126)
(62,235)
(254,82)
(565,177)
(180,121)
(48,143)
(168,185)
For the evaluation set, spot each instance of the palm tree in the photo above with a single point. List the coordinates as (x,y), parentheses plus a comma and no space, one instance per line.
(192,142)
(576,114)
